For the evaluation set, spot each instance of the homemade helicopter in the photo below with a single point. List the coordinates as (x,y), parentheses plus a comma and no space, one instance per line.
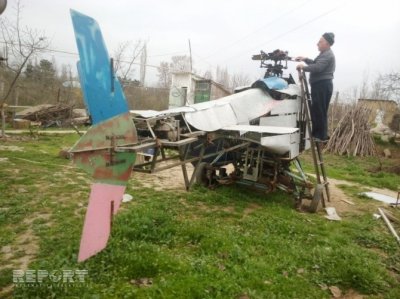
(260,131)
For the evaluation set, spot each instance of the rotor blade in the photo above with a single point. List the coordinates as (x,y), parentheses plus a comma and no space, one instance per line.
(112,126)
(104,201)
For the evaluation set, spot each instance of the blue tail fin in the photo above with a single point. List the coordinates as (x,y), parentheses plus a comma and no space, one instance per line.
(103,94)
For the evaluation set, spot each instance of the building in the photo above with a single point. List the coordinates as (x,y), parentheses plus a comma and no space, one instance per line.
(188,88)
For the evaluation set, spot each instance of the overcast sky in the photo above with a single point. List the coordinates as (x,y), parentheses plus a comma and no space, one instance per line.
(228,33)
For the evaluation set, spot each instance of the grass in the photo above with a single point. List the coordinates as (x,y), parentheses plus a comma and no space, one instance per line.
(363,170)
(226,243)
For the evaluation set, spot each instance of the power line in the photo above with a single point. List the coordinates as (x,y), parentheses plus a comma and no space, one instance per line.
(259,29)
(206,62)
(289,31)
(76,54)
(278,36)
(168,54)
(124,61)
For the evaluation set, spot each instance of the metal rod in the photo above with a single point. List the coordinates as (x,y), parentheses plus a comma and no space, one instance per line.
(154,161)
(112,74)
(151,130)
(191,159)
(389,225)
(186,123)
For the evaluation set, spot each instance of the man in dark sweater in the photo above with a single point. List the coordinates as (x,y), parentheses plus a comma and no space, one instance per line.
(321,74)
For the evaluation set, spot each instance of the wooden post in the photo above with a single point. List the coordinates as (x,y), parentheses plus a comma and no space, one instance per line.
(112,214)
(333,110)
(15,104)
(3,117)
(190,53)
(3,121)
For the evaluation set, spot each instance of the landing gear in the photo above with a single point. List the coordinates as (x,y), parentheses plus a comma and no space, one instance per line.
(210,176)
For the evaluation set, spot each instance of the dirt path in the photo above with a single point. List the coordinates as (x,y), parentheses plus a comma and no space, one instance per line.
(340,200)
(170,179)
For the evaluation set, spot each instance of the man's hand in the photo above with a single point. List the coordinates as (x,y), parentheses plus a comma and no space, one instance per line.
(299,67)
(300,58)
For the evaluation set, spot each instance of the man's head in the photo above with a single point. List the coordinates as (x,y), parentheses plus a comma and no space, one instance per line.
(326,41)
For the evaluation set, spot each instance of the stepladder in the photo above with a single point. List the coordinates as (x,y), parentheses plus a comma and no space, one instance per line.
(321,189)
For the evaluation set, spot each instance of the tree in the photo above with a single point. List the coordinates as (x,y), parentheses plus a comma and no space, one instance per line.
(384,87)
(65,73)
(208,75)
(376,90)
(389,85)
(21,44)
(46,70)
(125,57)
(164,75)
(364,86)
(222,76)
(239,80)
(44,73)
(180,64)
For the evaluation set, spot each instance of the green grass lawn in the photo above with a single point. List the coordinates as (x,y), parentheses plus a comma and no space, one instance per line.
(231,242)
(363,170)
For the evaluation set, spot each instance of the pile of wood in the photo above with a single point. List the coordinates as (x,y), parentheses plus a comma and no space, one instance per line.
(47,115)
(352,135)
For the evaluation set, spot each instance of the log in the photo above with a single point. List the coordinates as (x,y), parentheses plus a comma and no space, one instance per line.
(352,135)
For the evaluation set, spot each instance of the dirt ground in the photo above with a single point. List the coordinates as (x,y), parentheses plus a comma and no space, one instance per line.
(340,200)
(170,179)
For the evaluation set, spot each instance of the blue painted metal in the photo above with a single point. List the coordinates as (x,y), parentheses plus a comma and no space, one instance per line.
(275,83)
(83,84)
(103,93)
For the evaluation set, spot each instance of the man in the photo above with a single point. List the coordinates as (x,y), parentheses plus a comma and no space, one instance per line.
(321,74)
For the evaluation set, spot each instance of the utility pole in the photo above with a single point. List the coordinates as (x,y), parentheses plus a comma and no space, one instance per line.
(143,62)
(2,108)
(190,52)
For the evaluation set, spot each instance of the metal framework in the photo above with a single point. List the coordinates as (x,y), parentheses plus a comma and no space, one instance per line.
(253,164)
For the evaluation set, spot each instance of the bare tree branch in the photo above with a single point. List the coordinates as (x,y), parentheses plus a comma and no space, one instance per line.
(164,75)
(22,43)
(125,56)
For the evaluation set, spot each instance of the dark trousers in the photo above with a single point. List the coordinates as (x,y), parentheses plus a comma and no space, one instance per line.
(321,93)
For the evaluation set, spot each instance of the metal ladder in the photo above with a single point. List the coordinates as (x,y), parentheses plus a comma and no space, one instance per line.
(316,150)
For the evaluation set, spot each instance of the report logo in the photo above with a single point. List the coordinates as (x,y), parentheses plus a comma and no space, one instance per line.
(43,278)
